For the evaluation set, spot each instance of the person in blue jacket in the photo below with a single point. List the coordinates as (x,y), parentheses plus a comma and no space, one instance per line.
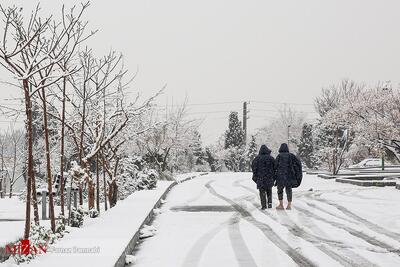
(288,175)
(263,167)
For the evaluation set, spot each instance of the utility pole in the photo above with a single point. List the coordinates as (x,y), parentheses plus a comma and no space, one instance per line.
(245,112)
(288,134)
(2,180)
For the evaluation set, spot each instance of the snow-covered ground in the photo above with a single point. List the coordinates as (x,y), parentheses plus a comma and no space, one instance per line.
(11,220)
(104,238)
(215,220)
(109,234)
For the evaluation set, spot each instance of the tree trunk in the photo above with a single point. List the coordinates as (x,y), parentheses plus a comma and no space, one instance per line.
(28,111)
(91,194)
(97,184)
(81,149)
(164,163)
(112,193)
(11,189)
(104,184)
(48,163)
(62,148)
(91,190)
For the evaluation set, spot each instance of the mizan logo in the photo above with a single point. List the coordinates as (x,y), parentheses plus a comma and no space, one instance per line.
(24,247)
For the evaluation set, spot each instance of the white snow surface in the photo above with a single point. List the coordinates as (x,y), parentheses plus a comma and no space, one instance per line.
(107,235)
(215,220)
(12,216)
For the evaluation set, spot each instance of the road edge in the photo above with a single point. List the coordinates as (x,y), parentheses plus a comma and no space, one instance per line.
(134,240)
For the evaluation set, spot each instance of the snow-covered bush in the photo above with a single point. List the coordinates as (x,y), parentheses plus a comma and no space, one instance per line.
(77,217)
(147,179)
(40,236)
(134,175)
(93,213)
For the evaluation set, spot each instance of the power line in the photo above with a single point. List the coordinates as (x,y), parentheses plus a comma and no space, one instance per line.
(201,104)
(271,110)
(210,112)
(238,102)
(282,103)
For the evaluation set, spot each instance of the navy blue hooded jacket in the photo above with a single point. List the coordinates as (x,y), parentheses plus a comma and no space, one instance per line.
(263,167)
(285,172)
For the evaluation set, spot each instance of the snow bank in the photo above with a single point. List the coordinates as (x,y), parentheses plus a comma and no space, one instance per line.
(107,239)
(101,241)
(12,216)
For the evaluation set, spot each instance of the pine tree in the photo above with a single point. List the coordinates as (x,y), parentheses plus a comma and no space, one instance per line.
(234,136)
(251,151)
(197,148)
(306,146)
(235,144)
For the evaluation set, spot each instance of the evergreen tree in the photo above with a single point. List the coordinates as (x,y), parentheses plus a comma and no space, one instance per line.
(306,146)
(235,159)
(197,148)
(251,151)
(234,136)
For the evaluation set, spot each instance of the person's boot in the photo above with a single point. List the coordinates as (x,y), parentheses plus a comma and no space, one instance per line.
(280,206)
(263,208)
(289,206)
(270,205)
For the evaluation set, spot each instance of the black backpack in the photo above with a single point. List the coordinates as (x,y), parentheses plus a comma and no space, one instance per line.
(297,170)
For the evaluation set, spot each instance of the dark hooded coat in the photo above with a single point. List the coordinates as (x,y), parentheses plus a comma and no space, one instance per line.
(285,167)
(263,167)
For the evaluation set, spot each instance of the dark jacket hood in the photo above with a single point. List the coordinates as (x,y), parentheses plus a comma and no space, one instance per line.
(284,148)
(264,150)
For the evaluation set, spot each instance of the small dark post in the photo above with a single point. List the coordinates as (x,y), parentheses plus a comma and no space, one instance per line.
(44,204)
(245,121)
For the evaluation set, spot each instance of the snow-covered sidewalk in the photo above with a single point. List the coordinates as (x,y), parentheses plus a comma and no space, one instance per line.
(105,237)
(102,241)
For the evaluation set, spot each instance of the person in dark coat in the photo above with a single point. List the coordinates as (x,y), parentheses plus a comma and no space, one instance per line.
(285,175)
(263,167)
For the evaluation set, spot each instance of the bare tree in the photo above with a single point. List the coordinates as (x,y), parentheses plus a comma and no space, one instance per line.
(33,53)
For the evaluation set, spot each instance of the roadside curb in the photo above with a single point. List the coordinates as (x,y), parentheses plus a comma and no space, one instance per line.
(379,183)
(133,242)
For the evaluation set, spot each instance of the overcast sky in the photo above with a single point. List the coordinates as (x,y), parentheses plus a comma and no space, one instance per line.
(232,51)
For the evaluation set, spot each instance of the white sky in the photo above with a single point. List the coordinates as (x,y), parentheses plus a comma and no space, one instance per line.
(231,50)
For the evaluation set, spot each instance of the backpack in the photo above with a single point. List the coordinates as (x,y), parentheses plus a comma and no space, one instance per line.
(297,170)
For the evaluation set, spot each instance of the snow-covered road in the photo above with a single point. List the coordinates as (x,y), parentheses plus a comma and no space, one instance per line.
(215,220)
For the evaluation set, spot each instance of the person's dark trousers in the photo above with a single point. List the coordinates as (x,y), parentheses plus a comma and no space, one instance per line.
(262,198)
(288,191)
(264,194)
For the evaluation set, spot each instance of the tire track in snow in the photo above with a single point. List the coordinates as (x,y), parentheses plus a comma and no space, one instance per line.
(328,212)
(193,258)
(370,225)
(197,197)
(369,239)
(242,253)
(350,260)
(266,230)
